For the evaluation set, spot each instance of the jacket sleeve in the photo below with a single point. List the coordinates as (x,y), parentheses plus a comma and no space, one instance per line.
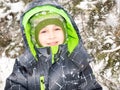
(17,80)
(22,69)
(88,80)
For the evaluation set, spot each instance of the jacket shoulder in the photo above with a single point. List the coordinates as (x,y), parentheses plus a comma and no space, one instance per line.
(26,59)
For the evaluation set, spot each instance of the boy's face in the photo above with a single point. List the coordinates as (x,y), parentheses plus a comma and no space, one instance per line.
(51,35)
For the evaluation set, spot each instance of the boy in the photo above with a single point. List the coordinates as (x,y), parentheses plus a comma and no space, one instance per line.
(55,58)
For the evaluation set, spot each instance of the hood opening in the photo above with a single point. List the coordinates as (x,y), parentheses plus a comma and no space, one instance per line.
(72,40)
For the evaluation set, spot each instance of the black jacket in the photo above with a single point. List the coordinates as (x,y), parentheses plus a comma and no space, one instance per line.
(70,70)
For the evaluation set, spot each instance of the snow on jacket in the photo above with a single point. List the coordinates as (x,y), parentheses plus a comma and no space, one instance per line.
(65,67)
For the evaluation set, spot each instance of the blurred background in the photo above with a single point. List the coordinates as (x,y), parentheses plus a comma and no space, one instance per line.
(99,25)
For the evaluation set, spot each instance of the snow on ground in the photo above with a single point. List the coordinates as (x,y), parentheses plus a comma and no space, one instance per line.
(6,66)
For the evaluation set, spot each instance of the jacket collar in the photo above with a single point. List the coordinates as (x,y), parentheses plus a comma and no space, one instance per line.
(46,52)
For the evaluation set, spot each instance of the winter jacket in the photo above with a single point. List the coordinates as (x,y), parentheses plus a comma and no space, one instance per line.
(63,67)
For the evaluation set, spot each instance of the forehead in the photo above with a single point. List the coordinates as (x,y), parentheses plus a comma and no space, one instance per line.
(51,26)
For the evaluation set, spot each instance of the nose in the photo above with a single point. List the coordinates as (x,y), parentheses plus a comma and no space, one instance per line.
(51,35)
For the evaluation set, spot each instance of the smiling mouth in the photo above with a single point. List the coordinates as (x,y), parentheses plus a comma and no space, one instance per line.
(52,43)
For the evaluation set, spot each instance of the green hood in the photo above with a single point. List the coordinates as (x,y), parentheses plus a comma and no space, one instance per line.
(72,38)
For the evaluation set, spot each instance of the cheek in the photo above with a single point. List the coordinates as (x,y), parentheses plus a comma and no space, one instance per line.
(61,36)
(41,38)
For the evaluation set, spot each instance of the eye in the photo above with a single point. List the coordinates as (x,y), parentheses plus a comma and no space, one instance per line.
(57,29)
(43,31)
